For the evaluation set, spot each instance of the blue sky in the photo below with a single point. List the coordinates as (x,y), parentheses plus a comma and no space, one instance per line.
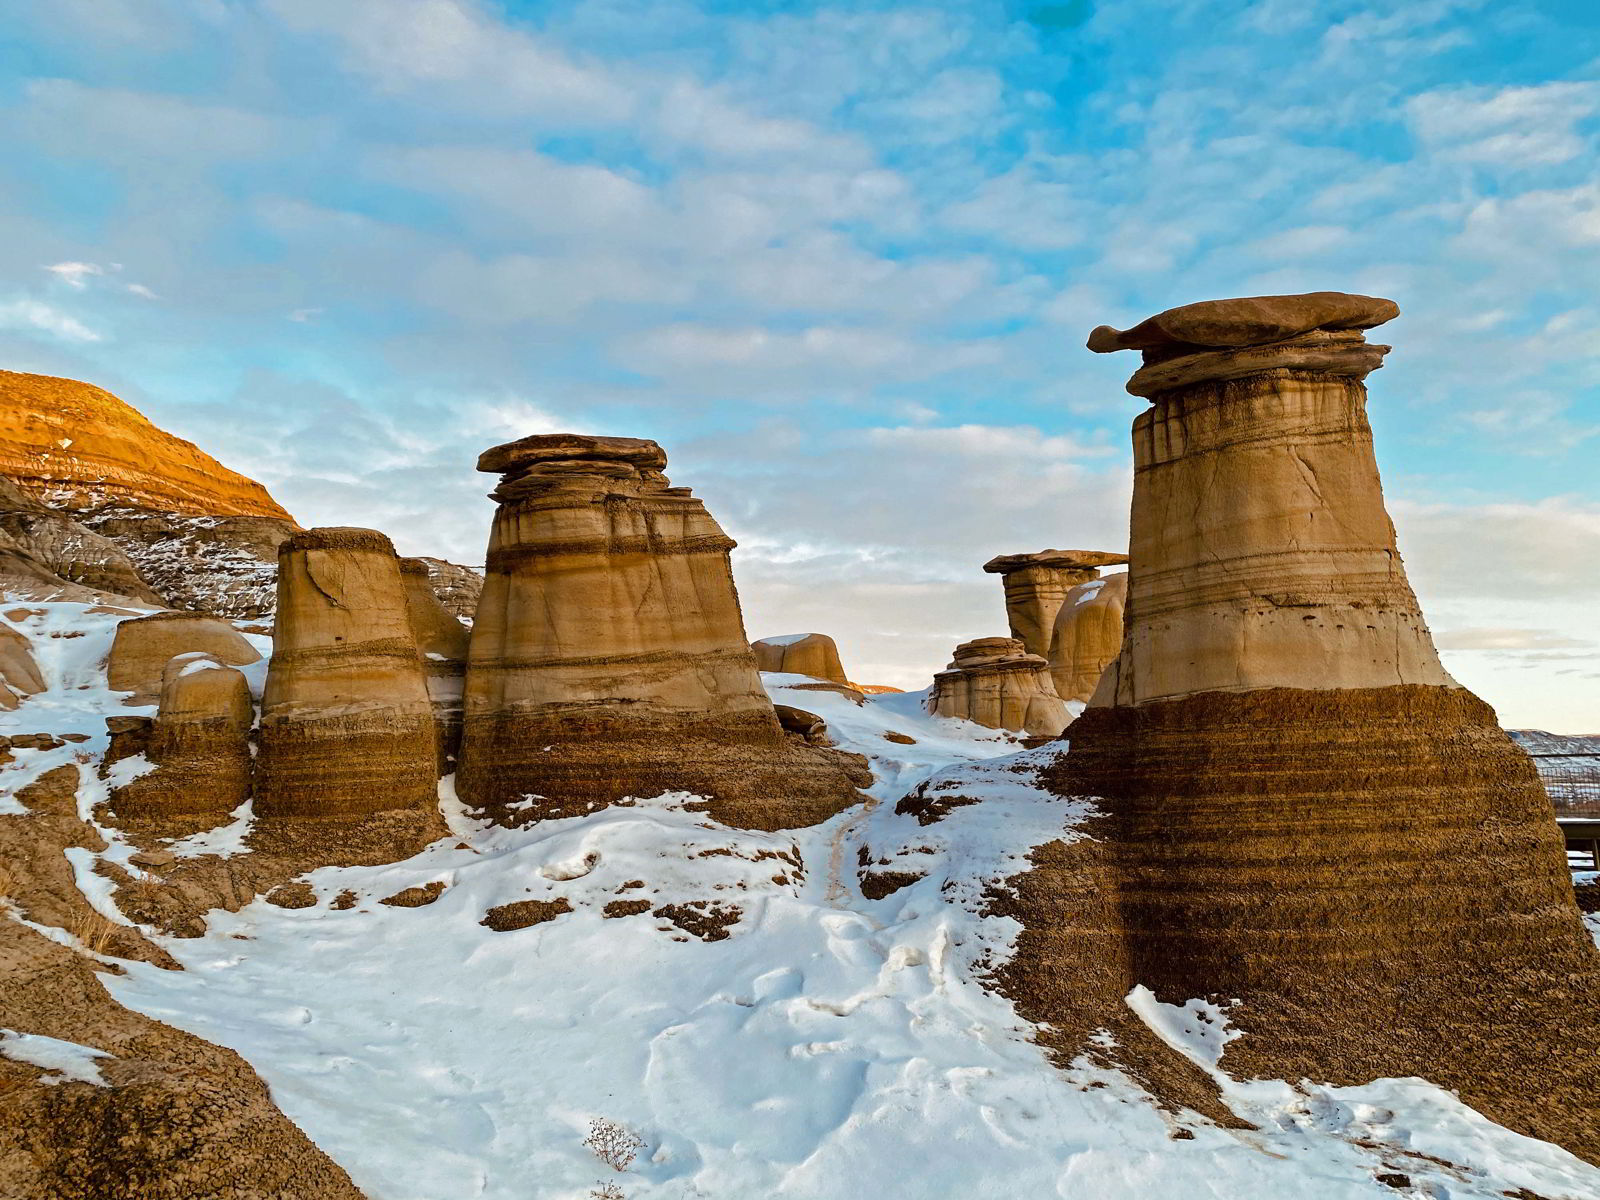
(839,259)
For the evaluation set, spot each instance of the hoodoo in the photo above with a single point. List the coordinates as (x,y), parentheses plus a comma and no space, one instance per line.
(442,641)
(1087,636)
(346,720)
(609,657)
(1302,810)
(1037,585)
(813,654)
(995,682)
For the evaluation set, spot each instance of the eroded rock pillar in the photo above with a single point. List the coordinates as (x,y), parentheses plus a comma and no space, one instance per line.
(346,720)
(1037,585)
(442,640)
(996,683)
(609,658)
(1302,810)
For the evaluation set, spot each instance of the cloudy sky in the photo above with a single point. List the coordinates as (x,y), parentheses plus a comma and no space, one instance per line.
(839,259)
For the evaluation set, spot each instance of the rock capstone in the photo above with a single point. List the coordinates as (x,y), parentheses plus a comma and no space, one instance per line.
(346,719)
(608,656)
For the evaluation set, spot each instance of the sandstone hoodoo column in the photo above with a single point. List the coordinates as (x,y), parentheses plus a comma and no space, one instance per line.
(1037,585)
(1303,811)
(1088,635)
(346,721)
(609,657)
(442,641)
(996,683)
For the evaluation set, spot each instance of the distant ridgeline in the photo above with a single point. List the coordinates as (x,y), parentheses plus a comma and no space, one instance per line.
(1569,767)
(98,503)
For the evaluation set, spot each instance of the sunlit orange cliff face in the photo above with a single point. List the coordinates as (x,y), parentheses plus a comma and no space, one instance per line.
(79,446)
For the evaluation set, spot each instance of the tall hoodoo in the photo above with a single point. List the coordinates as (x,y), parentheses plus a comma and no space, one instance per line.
(609,656)
(996,683)
(1037,585)
(1088,635)
(346,720)
(1302,809)
(442,641)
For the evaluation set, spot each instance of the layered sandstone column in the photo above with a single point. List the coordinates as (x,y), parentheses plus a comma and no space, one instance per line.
(346,720)
(1302,810)
(442,641)
(996,683)
(1037,585)
(199,743)
(1088,636)
(609,658)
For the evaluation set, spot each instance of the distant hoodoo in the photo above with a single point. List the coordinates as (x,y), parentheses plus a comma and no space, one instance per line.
(813,654)
(442,641)
(608,656)
(1087,636)
(1037,585)
(346,720)
(996,683)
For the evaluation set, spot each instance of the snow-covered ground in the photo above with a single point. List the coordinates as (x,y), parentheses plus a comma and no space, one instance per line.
(830,1048)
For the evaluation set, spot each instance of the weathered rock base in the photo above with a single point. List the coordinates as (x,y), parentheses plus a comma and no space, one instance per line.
(1374,874)
(577,761)
(346,766)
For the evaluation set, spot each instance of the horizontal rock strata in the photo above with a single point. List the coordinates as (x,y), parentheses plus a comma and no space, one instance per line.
(996,683)
(609,657)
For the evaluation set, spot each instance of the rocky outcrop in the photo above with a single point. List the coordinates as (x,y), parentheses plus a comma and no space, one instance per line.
(199,745)
(609,657)
(456,586)
(1037,585)
(1301,811)
(19,672)
(996,683)
(442,641)
(80,448)
(812,654)
(143,647)
(346,720)
(1087,636)
(68,550)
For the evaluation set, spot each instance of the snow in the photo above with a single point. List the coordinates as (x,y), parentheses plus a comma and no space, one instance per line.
(68,1061)
(787,639)
(830,1047)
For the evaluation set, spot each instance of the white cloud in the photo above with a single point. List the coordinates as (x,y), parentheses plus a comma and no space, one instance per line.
(75,274)
(1507,127)
(27,314)
(1507,639)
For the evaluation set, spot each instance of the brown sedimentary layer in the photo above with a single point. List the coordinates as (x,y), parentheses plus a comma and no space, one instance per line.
(609,628)
(1375,873)
(346,721)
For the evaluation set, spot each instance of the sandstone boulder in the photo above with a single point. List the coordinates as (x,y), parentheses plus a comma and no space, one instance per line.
(442,641)
(609,658)
(199,743)
(456,586)
(1036,586)
(996,683)
(1298,808)
(19,672)
(812,654)
(1087,636)
(346,720)
(143,647)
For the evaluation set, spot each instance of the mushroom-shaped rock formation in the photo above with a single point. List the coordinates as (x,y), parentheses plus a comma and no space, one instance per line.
(199,743)
(346,721)
(143,647)
(442,641)
(1301,810)
(19,672)
(995,682)
(1087,635)
(609,657)
(812,654)
(1037,585)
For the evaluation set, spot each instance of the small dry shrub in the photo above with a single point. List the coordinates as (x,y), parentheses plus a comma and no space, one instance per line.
(94,932)
(607,1191)
(613,1144)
